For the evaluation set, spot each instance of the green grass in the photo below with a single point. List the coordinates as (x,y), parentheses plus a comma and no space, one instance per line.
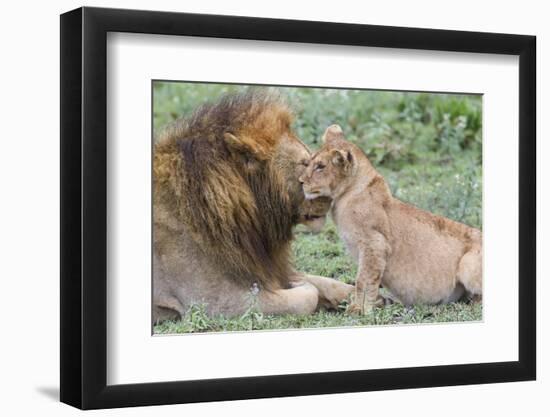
(427,146)
(196,321)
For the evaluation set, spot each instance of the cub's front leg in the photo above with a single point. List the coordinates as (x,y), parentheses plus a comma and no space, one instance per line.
(372,256)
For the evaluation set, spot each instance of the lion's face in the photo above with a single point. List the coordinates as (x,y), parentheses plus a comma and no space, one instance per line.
(292,159)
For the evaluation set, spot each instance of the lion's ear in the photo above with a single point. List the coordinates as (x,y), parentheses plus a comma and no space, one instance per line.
(333,133)
(246,147)
(234,143)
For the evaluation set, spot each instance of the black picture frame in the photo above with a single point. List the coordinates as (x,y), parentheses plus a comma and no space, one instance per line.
(84,207)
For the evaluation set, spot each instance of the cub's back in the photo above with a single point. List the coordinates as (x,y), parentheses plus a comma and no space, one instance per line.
(426,250)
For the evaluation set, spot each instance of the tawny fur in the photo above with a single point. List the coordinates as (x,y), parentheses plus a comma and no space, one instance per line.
(418,256)
(226,196)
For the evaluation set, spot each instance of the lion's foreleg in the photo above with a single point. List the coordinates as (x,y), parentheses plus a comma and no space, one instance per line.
(301,299)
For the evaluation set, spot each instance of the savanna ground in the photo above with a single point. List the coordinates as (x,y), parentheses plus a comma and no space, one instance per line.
(427,146)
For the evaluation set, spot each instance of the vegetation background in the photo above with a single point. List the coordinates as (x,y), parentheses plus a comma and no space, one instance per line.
(428,147)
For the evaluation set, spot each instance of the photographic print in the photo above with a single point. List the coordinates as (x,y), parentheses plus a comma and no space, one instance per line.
(262,205)
(280,207)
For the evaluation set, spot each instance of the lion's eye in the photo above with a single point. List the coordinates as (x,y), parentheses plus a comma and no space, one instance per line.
(319,167)
(305,162)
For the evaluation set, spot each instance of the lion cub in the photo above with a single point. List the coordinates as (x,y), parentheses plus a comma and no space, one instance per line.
(418,256)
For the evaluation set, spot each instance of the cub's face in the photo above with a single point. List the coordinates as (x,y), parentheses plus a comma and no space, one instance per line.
(291,160)
(329,167)
(325,172)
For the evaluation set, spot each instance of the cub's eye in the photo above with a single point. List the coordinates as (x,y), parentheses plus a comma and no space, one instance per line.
(319,167)
(305,162)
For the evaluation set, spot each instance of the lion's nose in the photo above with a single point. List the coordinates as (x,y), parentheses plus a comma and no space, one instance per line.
(301,181)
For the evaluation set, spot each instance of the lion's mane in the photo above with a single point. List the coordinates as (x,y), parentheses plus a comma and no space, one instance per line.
(214,173)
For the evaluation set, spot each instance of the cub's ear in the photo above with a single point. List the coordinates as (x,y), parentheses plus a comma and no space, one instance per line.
(333,133)
(341,158)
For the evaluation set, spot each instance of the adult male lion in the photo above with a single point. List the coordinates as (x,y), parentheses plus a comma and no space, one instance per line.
(226,197)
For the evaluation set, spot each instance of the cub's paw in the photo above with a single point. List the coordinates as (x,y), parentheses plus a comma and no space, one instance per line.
(380,302)
(369,308)
(354,308)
